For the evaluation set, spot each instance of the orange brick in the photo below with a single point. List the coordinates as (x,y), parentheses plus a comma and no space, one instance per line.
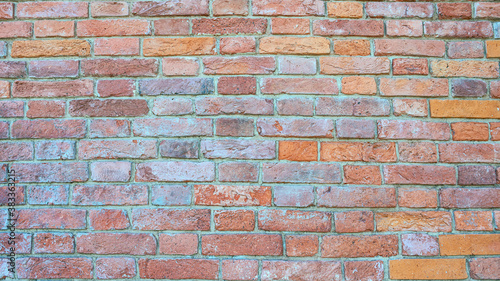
(54,28)
(469,244)
(290,26)
(358,151)
(466,68)
(489,109)
(345,9)
(362,175)
(298,150)
(470,131)
(301,245)
(473,220)
(493,49)
(50,48)
(294,45)
(178,46)
(412,269)
(417,198)
(431,221)
(352,47)
(359,85)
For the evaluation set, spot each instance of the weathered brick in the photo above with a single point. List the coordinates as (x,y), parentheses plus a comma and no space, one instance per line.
(298,150)
(460,29)
(413,129)
(296,65)
(293,196)
(16,29)
(53,68)
(345,9)
(52,89)
(238,149)
(430,221)
(417,198)
(301,173)
(364,270)
(234,127)
(289,26)
(178,127)
(410,66)
(354,128)
(48,195)
(108,219)
(115,27)
(473,220)
(349,106)
(409,28)
(108,9)
(11,109)
(107,128)
(484,268)
(48,128)
(116,47)
(362,174)
(111,171)
(294,45)
(234,105)
(495,131)
(468,88)
(399,10)
(413,87)
(238,171)
(55,150)
(359,246)
(112,149)
(54,28)
(51,9)
(368,28)
(116,243)
(4,89)
(179,148)
(469,198)
(87,195)
(427,269)
(176,86)
(50,243)
(171,26)
(354,221)
(318,86)
(22,243)
(19,194)
(466,68)
(354,65)
(295,106)
(116,88)
(179,268)
(154,47)
(186,8)
(419,174)
(487,109)
(242,244)
(406,47)
(50,48)
(239,65)
(487,10)
(171,219)
(469,244)
(470,131)
(12,69)
(467,152)
(119,67)
(454,10)
(108,108)
(6,11)
(178,244)
(301,245)
(290,8)
(410,107)
(223,26)
(234,220)
(358,151)
(466,49)
(180,66)
(4,131)
(111,268)
(52,172)
(419,244)
(171,195)
(352,47)
(227,8)
(301,270)
(359,85)
(50,267)
(355,197)
(293,220)
(237,85)
(296,127)
(178,171)
(226,195)
(53,218)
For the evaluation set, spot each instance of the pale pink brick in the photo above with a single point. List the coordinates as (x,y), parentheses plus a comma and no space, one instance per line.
(293,196)
(410,107)
(295,106)
(236,269)
(115,268)
(172,106)
(53,68)
(116,47)
(296,65)
(55,150)
(419,244)
(108,128)
(108,9)
(238,172)
(111,171)
(178,244)
(54,28)
(116,88)
(171,27)
(48,195)
(410,28)
(237,45)
(180,67)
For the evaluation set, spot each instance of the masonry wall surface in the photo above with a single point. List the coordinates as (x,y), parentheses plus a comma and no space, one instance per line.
(250,139)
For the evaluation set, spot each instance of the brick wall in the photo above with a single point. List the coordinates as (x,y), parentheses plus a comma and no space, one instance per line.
(251,139)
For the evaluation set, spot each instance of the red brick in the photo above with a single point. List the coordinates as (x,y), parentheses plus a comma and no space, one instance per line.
(410,67)
(52,172)
(53,218)
(116,243)
(469,244)
(114,268)
(238,172)
(110,149)
(12,69)
(355,128)
(4,89)
(487,10)
(460,29)
(472,131)
(180,66)
(417,198)
(6,11)
(9,109)
(55,150)
(354,221)
(4,130)
(225,195)
(407,28)
(52,10)
(468,88)
(107,128)
(413,129)
(466,49)
(179,148)
(108,9)
(155,47)
(54,28)
(234,220)
(467,152)
(301,270)
(115,88)
(111,171)
(405,47)
(171,219)
(108,108)
(177,171)
(108,219)
(240,269)
(119,67)
(484,268)
(354,65)
(237,86)
(176,86)
(237,45)
(16,29)
(317,86)
(179,268)
(290,8)
(171,195)
(495,131)
(473,220)
(218,26)
(292,220)
(6,196)
(48,195)
(430,221)
(410,107)
(50,243)
(419,174)
(358,151)
(352,47)
(301,173)
(52,89)
(296,65)
(414,269)
(356,197)
(420,152)
(22,243)
(289,26)
(399,10)
(367,28)
(454,10)
(298,150)
(233,105)
(295,106)
(115,27)
(227,8)
(53,68)
(186,8)
(234,127)
(419,244)
(469,198)
(295,127)
(347,246)
(364,270)
(49,267)
(16,151)
(242,244)
(116,47)
(301,245)
(362,175)
(345,10)
(172,26)
(88,195)
(239,65)
(178,244)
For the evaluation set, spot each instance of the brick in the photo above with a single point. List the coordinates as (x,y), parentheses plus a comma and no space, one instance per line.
(473,131)
(171,219)
(119,67)
(427,269)
(362,175)
(172,106)
(177,171)
(112,149)
(223,26)
(413,87)
(53,68)
(484,268)
(238,171)
(239,65)
(55,150)
(291,8)
(50,48)
(238,149)
(53,218)
(407,47)
(466,152)
(487,109)
(114,27)
(155,47)
(430,221)
(495,131)
(228,196)
(356,197)
(296,65)
(467,49)
(171,195)
(345,9)
(468,88)
(234,220)
(178,127)
(19,195)
(410,107)
(293,196)
(469,198)
(108,9)
(4,130)
(50,243)
(410,67)
(296,173)
(227,8)
(111,171)
(467,68)
(318,86)
(289,26)
(179,149)
(9,109)
(234,127)
(51,9)
(413,129)
(12,69)
(350,106)
(399,10)
(237,86)
(16,151)
(298,150)
(366,28)
(359,85)
(359,246)
(354,65)
(54,28)
(179,268)
(454,10)
(358,151)
(186,8)
(53,89)
(292,220)
(171,26)
(473,220)
(354,128)
(237,45)
(493,48)
(240,269)
(98,195)
(301,245)
(176,86)
(48,195)
(242,244)
(4,89)
(52,172)
(111,268)
(458,29)
(179,66)
(116,47)
(301,270)
(108,219)
(296,127)
(294,45)
(295,106)
(107,128)
(419,174)
(469,244)
(355,221)
(48,128)
(407,28)
(352,47)
(49,267)
(364,270)
(233,105)
(178,244)
(6,11)
(419,244)
(487,10)
(115,88)
(417,198)
(21,242)
(108,108)
(116,243)
(16,29)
